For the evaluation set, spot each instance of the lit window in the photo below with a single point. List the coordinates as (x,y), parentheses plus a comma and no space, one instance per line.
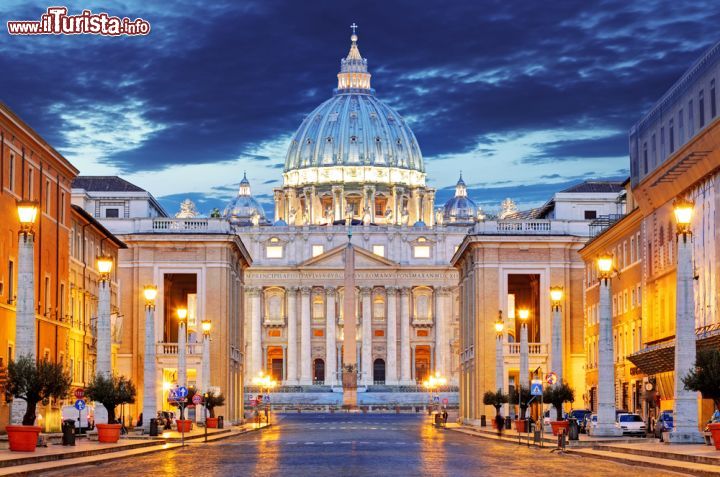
(422,239)
(274,251)
(421,251)
(317,250)
(379,250)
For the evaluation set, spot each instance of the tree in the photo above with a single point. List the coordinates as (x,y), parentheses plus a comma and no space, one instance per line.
(215,213)
(558,395)
(525,397)
(705,378)
(111,392)
(212,401)
(38,381)
(495,399)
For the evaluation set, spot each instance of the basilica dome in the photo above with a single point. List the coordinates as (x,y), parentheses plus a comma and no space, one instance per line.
(354,137)
(460,209)
(244,209)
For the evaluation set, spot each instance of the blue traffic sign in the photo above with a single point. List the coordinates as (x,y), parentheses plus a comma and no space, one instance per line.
(536,388)
(181,392)
(79,404)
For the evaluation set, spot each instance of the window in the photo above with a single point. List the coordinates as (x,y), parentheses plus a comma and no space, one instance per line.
(61,308)
(62,208)
(691,118)
(112,213)
(671,136)
(317,250)
(681,127)
(11,179)
(11,281)
(701,108)
(590,214)
(645,158)
(46,296)
(274,249)
(654,150)
(614,305)
(47,196)
(624,255)
(632,249)
(662,143)
(379,250)
(632,298)
(421,251)
(30,183)
(713,105)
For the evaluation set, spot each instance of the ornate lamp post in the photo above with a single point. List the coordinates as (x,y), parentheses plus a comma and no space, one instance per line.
(432,384)
(149,362)
(182,314)
(524,380)
(265,383)
(104,264)
(556,296)
(206,326)
(685,413)
(499,359)
(606,367)
(25,306)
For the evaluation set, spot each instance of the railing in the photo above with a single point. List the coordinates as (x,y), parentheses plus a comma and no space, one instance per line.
(533,348)
(180,224)
(274,321)
(171,349)
(531,227)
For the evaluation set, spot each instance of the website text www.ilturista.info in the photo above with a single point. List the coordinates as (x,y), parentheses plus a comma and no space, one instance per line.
(56,21)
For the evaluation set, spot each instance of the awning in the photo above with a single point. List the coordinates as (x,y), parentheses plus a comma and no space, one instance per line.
(660,358)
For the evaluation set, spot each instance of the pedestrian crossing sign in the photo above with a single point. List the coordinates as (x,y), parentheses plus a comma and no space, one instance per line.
(536,388)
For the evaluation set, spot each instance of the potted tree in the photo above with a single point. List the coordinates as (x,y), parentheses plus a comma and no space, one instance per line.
(558,395)
(33,382)
(525,397)
(495,399)
(705,379)
(212,401)
(185,425)
(111,392)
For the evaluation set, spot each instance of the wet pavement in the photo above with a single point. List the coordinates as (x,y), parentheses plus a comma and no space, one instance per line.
(342,444)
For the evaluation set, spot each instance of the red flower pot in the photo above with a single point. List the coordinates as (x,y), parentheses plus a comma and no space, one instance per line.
(714,432)
(520,425)
(23,438)
(184,425)
(211,422)
(558,425)
(108,433)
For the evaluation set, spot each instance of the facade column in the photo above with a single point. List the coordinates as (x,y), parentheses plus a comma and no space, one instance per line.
(305,337)
(339,358)
(284,368)
(255,331)
(413,370)
(685,412)
(205,371)
(330,336)
(557,358)
(524,380)
(150,408)
(606,367)
(291,376)
(25,307)
(365,295)
(405,376)
(264,358)
(440,331)
(182,353)
(104,332)
(391,335)
(499,362)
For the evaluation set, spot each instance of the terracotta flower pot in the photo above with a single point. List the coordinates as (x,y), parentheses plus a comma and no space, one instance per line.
(211,422)
(23,438)
(714,432)
(520,425)
(184,425)
(108,433)
(558,425)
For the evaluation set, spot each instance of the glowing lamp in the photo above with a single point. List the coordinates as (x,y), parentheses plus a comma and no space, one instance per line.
(499,326)
(104,264)
(604,265)
(524,314)
(206,326)
(27,213)
(556,294)
(150,292)
(683,210)
(182,314)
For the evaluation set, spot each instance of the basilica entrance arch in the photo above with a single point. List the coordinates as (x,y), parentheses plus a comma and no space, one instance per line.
(379,371)
(319,371)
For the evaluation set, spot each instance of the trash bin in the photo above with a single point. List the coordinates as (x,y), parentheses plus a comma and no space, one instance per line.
(573,429)
(221,422)
(68,432)
(438,419)
(508,423)
(483,422)
(154,427)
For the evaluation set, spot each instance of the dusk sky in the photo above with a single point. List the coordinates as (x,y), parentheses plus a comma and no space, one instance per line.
(524,97)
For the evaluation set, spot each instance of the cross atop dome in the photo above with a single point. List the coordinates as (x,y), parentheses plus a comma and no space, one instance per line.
(354,76)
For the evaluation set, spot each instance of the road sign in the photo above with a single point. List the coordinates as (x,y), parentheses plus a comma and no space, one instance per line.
(79,393)
(181,392)
(536,387)
(267,398)
(197,399)
(445,401)
(551,378)
(79,404)
(436,399)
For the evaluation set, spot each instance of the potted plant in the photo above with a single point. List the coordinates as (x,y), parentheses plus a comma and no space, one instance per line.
(185,425)
(212,401)
(525,397)
(33,382)
(111,391)
(558,395)
(705,379)
(495,399)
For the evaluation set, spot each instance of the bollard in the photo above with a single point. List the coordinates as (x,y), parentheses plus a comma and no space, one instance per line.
(153,427)
(68,434)
(483,421)
(221,422)
(573,429)
(508,423)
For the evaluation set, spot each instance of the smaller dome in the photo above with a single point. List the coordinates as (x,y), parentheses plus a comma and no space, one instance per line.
(244,209)
(460,209)
(280,223)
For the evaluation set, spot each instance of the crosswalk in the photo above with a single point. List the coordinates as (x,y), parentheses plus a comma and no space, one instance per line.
(331,443)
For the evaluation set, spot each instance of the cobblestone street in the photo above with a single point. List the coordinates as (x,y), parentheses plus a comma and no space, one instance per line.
(355,444)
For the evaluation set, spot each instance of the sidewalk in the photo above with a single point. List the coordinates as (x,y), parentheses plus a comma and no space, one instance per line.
(85,452)
(693,459)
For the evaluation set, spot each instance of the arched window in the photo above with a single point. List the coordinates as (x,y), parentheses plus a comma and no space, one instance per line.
(318,371)
(379,371)
(378,311)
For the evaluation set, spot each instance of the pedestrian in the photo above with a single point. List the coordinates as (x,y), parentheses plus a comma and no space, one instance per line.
(444,416)
(499,424)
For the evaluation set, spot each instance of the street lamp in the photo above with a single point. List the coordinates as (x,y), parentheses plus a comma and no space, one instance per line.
(265,383)
(149,361)
(556,296)
(206,326)
(685,422)
(433,382)
(104,266)
(606,368)
(27,215)
(524,380)
(499,358)
(182,314)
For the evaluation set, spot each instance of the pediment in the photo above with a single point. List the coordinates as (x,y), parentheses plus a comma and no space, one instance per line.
(335,258)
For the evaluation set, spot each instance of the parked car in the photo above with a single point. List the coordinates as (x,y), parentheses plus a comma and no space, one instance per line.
(580,415)
(664,422)
(85,419)
(632,424)
(590,422)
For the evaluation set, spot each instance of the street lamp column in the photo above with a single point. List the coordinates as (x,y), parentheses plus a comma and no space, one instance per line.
(556,296)
(182,347)
(149,361)
(104,331)
(524,380)
(499,359)
(205,384)
(606,367)
(685,414)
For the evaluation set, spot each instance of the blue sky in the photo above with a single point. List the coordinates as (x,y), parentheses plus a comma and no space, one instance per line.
(525,97)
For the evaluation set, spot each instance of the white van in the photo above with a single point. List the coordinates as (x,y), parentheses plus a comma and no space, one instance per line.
(85,418)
